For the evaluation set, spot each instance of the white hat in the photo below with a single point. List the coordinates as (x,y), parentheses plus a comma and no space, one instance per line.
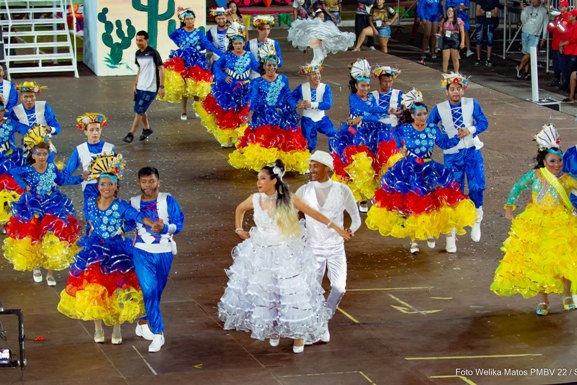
(323,158)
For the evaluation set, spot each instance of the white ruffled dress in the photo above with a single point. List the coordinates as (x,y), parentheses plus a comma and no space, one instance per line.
(272,289)
(302,32)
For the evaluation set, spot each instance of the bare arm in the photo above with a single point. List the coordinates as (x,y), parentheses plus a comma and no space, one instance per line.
(161,80)
(242,208)
(299,205)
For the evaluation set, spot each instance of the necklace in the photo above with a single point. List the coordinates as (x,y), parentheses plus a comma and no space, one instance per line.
(419,126)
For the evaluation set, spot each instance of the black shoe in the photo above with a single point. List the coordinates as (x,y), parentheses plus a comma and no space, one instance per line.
(527,76)
(554,83)
(477,63)
(145,134)
(128,138)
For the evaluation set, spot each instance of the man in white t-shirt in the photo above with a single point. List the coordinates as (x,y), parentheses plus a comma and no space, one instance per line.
(149,82)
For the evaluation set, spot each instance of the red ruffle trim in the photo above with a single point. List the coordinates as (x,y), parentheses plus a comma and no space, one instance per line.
(195,72)
(274,137)
(36,229)
(385,151)
(8,183)
(110,281)
(412,203)
(225,119)
(348,152)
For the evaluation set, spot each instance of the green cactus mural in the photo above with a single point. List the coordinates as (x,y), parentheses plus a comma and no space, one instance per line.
(153,16)
(171,26)
(114,58)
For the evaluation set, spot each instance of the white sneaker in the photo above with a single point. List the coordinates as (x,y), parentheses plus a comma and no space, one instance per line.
(469,53)
(326,337)
(50,281)
(414,248)
(144,332)
(451,246)
(476,229)
(37,275)
(99,336)
(274,342)
(298,349)
(431,242)
(183,117)
(363,207)
(157,343)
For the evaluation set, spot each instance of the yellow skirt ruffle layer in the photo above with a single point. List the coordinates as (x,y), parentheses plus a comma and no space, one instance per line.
(225,136)
(94,303)
(361,177)
(420,227)
(541,250)
(51,253)
(255,157)
(176,87)
(6,198)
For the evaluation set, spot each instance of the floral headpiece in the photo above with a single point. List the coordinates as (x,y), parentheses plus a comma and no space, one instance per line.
(454,78)
(310,68)
(184,12)
(236,31)
(386,71)
(268,52)
(412,97)
(361,70)
(36,135)
(548,139)
(30,87)
(263,19)
(219,11)
(91,117)
(108,164)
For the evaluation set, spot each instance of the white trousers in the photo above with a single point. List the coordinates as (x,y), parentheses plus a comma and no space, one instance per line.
(332,259)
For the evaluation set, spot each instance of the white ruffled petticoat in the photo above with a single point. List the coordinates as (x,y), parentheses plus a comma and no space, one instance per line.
(303,32)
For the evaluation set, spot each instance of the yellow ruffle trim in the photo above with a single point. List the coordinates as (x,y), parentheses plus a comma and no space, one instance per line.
(541,250)
(6,197)
(362,180)
(420,227)
(93,303)
(390,163)
(196,88)
(225,136)
(51,253)
(255,157)
(174,87)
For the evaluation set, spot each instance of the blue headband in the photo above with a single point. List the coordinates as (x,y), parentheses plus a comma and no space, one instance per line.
(363,79)
(110,176)
(556,152)
(413,107)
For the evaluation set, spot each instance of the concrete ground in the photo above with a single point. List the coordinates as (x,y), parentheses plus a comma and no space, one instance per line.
(424,319)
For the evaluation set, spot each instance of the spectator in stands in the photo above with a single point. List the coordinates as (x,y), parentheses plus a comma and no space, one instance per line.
(487,11)
(568,50)
(429,13)
(453,35)
(462,9)
(534,20)
(557,28)
(303,9)
(234,13)
(333,9)
(380,21)
(362,19)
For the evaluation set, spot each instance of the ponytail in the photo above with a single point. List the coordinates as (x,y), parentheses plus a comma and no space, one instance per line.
(286,214)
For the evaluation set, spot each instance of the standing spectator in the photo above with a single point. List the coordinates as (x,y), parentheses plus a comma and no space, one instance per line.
(362,20)
(568,50)
(333,9)
(462,9)
(149,82)
(534,19)
(381,19)
(429,13)
(557,29)
(234,13)
(453,33)
(487,11)
(303,9)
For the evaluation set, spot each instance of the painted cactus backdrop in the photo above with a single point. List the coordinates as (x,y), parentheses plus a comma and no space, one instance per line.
(111,26)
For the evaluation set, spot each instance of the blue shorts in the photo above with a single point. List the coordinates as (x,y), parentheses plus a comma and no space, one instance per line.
(384,32)
(485,34)
(528,41)
(143,100)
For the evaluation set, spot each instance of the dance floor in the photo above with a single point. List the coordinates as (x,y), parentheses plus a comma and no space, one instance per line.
(424,319)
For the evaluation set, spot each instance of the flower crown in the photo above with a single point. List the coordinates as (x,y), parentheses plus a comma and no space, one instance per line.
(218,11)
(236,30)
(547,138)
(263,19)
(183,12)
(91,117)
(310,68)
(454,78)
(412,97)
(361,70)
(36,135)
(109,164)
(386,71)
(30,87)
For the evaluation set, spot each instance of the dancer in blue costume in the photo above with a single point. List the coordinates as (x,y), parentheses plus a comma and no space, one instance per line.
(153,251)
(314,98)
(91,123)
(187,73)
(364,147)
(102,283)
(262,45)
(273,131)
(464,118)
(224,112)
(419,198)
(387,97)
(8,91)
(43,230)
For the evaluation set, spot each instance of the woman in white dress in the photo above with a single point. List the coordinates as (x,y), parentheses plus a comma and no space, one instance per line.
(272,290)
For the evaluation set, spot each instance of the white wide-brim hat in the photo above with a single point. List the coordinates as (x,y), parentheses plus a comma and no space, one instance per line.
(323,158)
